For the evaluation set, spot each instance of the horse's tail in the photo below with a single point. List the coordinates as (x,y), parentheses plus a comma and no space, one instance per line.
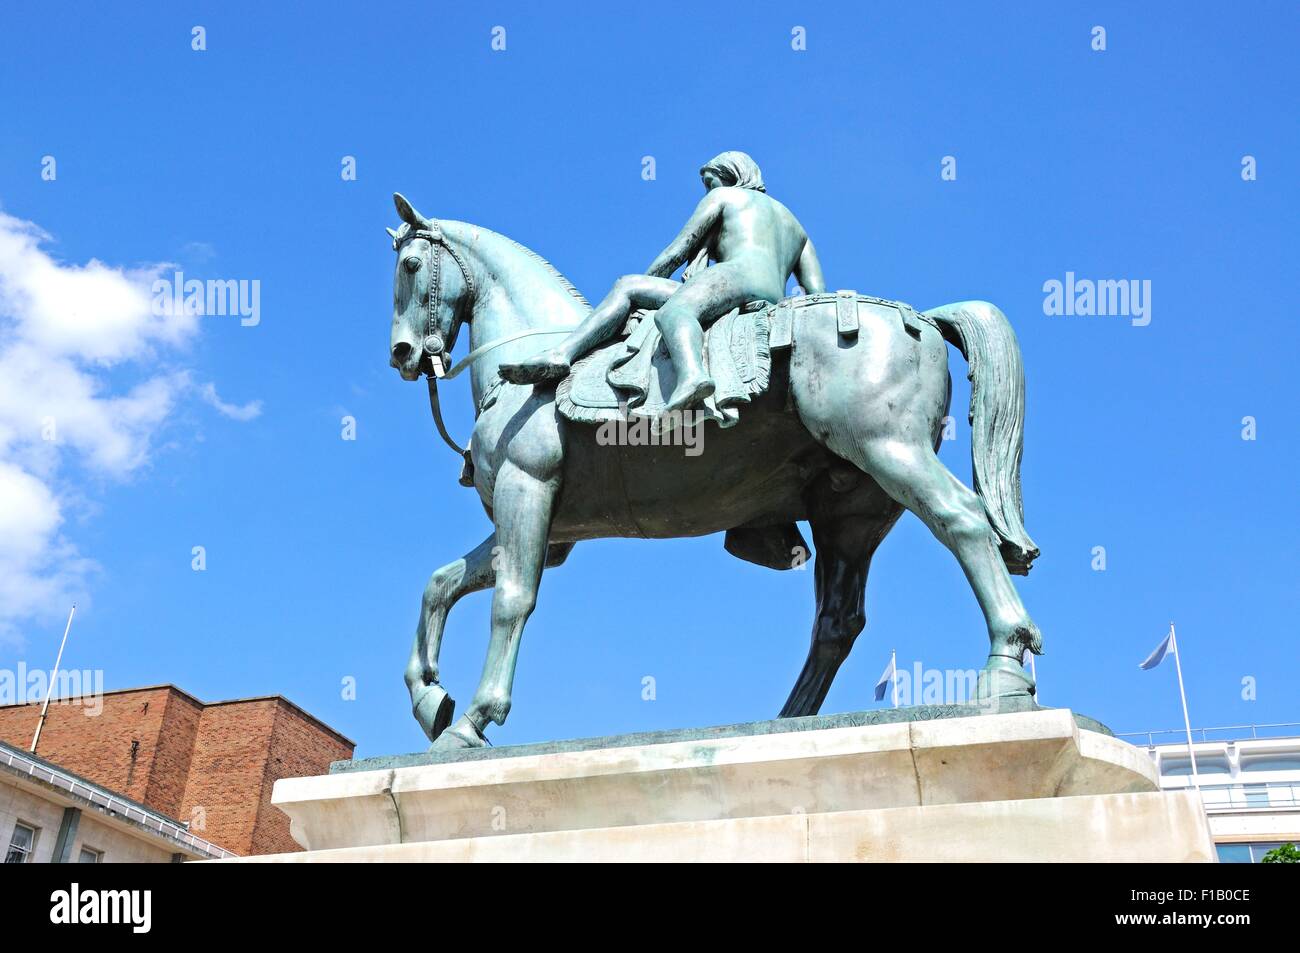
(997,416)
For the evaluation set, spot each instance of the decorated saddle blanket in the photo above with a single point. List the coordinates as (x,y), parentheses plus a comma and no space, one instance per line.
(633,375)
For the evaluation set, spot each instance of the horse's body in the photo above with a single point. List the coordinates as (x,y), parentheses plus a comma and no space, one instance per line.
(661,492)
(843,438)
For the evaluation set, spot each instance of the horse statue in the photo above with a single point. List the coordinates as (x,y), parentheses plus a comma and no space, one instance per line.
(844,436)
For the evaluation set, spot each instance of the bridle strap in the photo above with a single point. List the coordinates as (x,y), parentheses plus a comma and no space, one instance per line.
(436,406)
(432,343)
(437,242)
(482,349)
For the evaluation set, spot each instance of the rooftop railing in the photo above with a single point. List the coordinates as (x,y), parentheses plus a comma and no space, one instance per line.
(1245,797)
(113,805)
(1243,733)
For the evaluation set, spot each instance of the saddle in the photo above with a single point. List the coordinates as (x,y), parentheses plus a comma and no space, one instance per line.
(633,375)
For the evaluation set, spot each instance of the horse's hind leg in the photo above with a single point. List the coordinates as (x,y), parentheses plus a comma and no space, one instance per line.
(915,477)
(430,703)
(845,545)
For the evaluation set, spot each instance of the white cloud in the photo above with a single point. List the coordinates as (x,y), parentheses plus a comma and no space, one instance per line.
(84,390)
(39,571)
(234,411)
(90,313)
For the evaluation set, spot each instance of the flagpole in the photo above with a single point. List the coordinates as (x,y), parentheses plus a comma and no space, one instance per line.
(893,664)
(49,689)
(1187,722)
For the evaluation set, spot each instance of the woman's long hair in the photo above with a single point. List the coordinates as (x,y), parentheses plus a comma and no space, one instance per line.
(736,168)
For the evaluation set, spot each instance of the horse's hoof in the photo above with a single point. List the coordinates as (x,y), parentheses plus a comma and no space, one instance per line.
(464,734)
(1004,686)
(433,709)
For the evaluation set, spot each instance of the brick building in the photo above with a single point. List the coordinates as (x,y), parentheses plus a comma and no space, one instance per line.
(210,766)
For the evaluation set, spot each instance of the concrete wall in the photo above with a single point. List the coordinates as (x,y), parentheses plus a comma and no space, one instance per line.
(1254,828)
(16,805)
(118,846)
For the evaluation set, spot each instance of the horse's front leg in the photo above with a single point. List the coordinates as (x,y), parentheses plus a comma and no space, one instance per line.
(430,703)
(522,505)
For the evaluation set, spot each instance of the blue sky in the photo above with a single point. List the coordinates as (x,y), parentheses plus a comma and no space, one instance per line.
(1120,164)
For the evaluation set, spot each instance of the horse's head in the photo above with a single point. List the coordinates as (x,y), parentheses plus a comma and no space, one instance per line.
(432,291)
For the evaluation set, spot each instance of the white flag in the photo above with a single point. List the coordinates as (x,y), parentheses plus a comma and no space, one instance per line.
(1158,656)
(886,677)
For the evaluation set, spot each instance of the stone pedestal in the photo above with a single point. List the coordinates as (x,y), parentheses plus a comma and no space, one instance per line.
(1031,786)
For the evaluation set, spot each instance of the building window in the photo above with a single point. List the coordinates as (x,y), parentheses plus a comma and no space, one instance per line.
(1256,795)
(1244,853)
(1233,853)
(90,856)
(1270,762)
(21,844)
(1181,766)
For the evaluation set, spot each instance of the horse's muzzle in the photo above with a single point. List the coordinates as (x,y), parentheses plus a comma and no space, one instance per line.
(407,361)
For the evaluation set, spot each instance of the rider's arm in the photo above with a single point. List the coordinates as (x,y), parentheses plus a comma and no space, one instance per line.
(808,270)
(688,240)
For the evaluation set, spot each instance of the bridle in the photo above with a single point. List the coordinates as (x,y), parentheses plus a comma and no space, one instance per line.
(434,345)
(438,350)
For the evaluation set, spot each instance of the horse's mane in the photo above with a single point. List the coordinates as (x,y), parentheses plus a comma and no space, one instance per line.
(555,272)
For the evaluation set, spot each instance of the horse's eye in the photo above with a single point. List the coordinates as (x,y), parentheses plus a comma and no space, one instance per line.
(412,264)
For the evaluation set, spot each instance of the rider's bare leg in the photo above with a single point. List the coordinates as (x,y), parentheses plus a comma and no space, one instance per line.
(629,293)
(711,294)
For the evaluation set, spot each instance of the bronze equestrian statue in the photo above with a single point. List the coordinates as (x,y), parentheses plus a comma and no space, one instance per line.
(841,429)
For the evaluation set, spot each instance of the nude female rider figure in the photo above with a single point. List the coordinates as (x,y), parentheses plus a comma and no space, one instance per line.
(757,244)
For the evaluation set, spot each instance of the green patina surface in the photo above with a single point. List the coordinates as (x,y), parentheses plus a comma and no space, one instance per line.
(851,719)
(842,436)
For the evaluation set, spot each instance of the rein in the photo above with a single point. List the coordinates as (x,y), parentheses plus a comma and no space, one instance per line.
(433,344)
(435,405)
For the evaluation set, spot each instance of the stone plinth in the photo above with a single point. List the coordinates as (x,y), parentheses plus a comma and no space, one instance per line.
(1025,786)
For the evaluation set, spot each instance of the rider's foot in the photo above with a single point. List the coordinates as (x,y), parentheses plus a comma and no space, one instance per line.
(689,392)
(550,366)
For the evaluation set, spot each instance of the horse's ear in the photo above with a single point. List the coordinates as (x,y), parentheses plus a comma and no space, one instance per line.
(407,211)
(392,233)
